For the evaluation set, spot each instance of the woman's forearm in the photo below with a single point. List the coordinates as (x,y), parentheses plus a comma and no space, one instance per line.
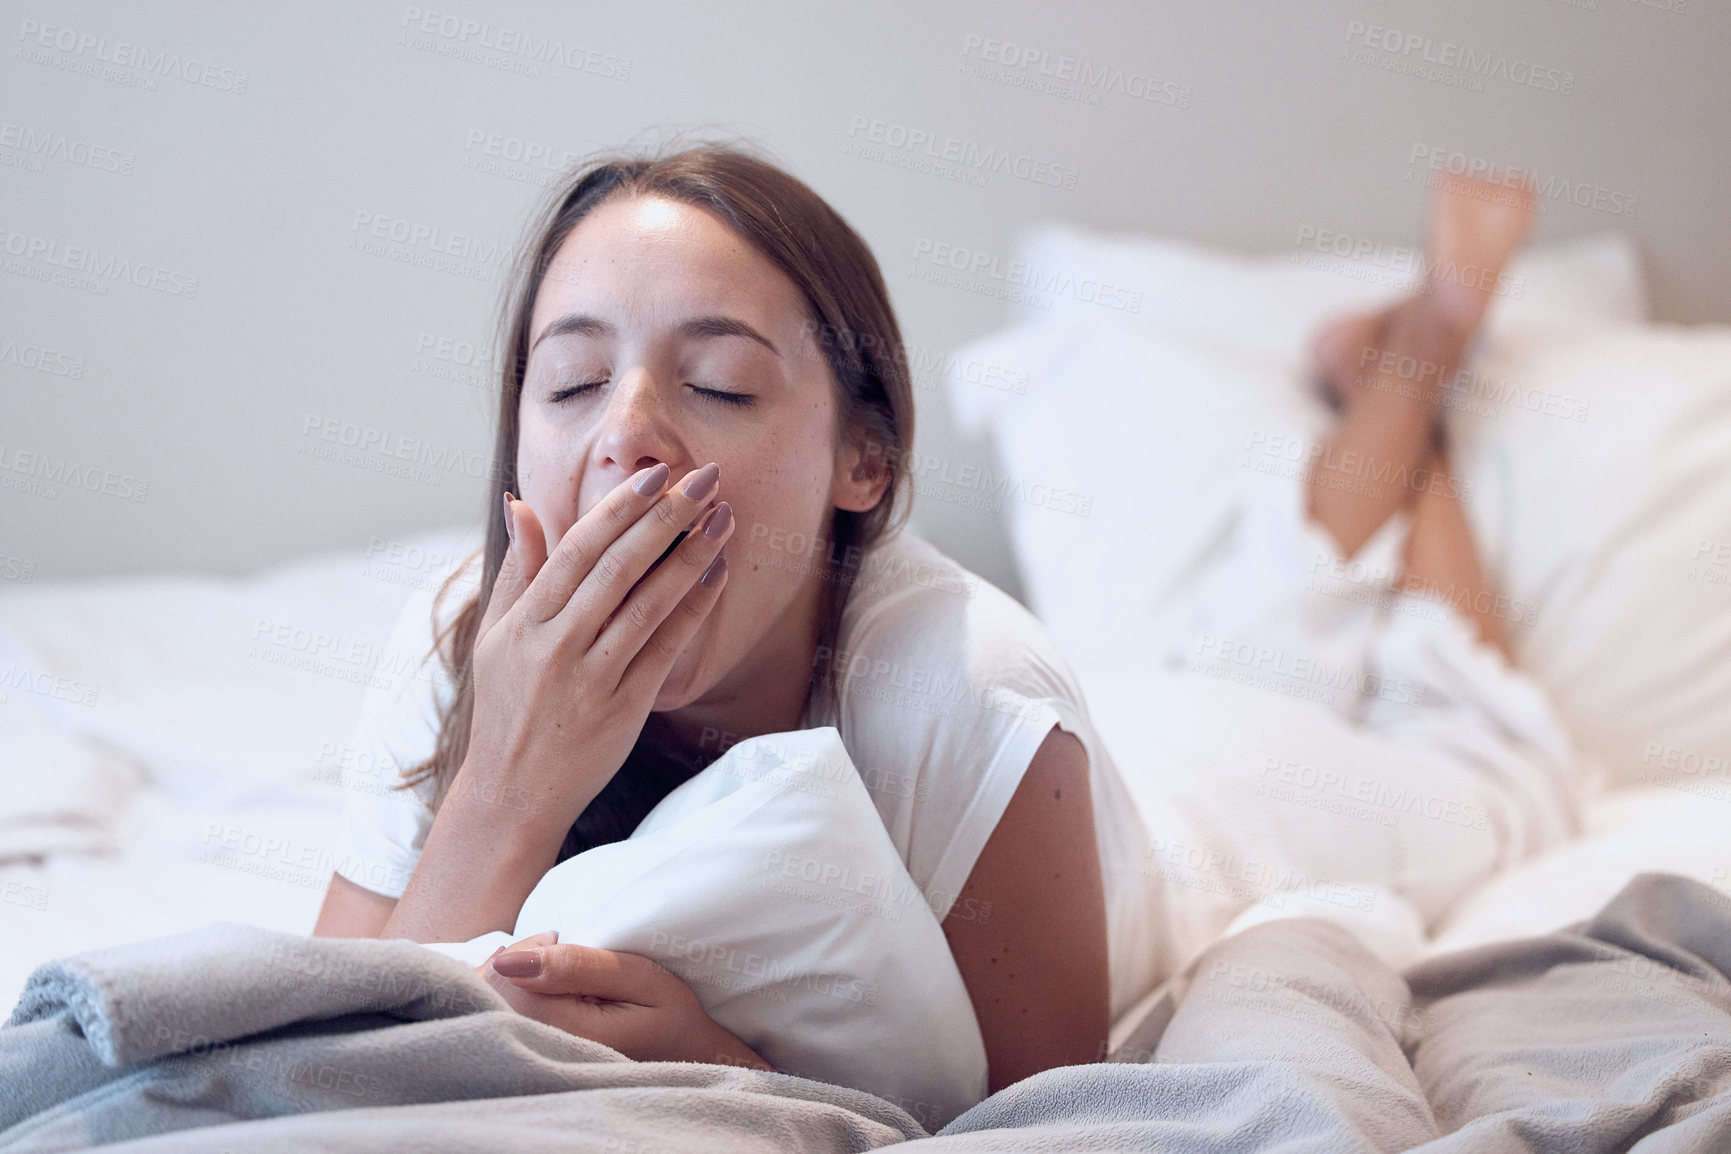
(480,861)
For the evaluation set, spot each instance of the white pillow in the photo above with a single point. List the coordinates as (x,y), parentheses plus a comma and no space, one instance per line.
(1597,462)
(768,883)
(1119,461)
(1073,395)
(1270,303)
(1616,529)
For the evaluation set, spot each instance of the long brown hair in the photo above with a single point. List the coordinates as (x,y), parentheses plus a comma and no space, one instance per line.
(853,324)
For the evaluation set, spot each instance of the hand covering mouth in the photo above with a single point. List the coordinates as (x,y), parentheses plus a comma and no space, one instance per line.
(665,554)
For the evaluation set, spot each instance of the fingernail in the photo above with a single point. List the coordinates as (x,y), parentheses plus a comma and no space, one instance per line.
(702,481)
(717,570)
(719,521)
(518,964)
(650,480)
(510,522)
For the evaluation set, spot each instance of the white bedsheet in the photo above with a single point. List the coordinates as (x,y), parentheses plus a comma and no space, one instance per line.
(224,706)
(1628,829)
(175,872)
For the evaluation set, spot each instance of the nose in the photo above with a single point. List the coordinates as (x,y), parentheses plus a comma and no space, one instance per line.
(637,431)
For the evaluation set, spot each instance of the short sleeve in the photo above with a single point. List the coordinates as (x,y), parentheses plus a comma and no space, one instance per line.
(384,827)
(946,688)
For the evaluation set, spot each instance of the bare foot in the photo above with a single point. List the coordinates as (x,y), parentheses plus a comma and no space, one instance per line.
(1475,227)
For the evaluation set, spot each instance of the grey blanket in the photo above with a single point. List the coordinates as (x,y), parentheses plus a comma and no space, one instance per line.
(1613,1034)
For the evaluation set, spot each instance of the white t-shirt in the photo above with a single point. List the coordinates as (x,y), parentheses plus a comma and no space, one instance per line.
(946,688)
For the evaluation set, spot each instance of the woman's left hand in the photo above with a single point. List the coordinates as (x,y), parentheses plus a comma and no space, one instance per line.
(621,1000)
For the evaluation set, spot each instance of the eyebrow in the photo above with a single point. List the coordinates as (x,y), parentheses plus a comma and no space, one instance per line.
(582,324)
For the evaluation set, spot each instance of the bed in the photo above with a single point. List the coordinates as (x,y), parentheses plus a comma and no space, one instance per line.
(174,748)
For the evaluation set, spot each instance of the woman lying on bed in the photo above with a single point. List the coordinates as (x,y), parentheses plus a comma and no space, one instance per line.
(706,419)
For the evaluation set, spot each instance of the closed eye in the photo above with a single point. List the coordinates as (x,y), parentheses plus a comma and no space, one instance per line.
(566,394)
(724,397)
(721,396)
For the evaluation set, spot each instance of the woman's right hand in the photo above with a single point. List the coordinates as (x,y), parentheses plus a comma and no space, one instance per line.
(570,654)
(574,645)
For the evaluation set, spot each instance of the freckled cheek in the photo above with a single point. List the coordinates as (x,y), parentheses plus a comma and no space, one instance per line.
(782,502)
(800,472)
(549,477)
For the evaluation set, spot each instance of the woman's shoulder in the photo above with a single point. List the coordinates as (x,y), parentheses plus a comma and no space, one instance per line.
(909,597)
(930,654)
(945,687)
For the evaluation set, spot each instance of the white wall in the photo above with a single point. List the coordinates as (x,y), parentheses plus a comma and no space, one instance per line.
(189,413)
